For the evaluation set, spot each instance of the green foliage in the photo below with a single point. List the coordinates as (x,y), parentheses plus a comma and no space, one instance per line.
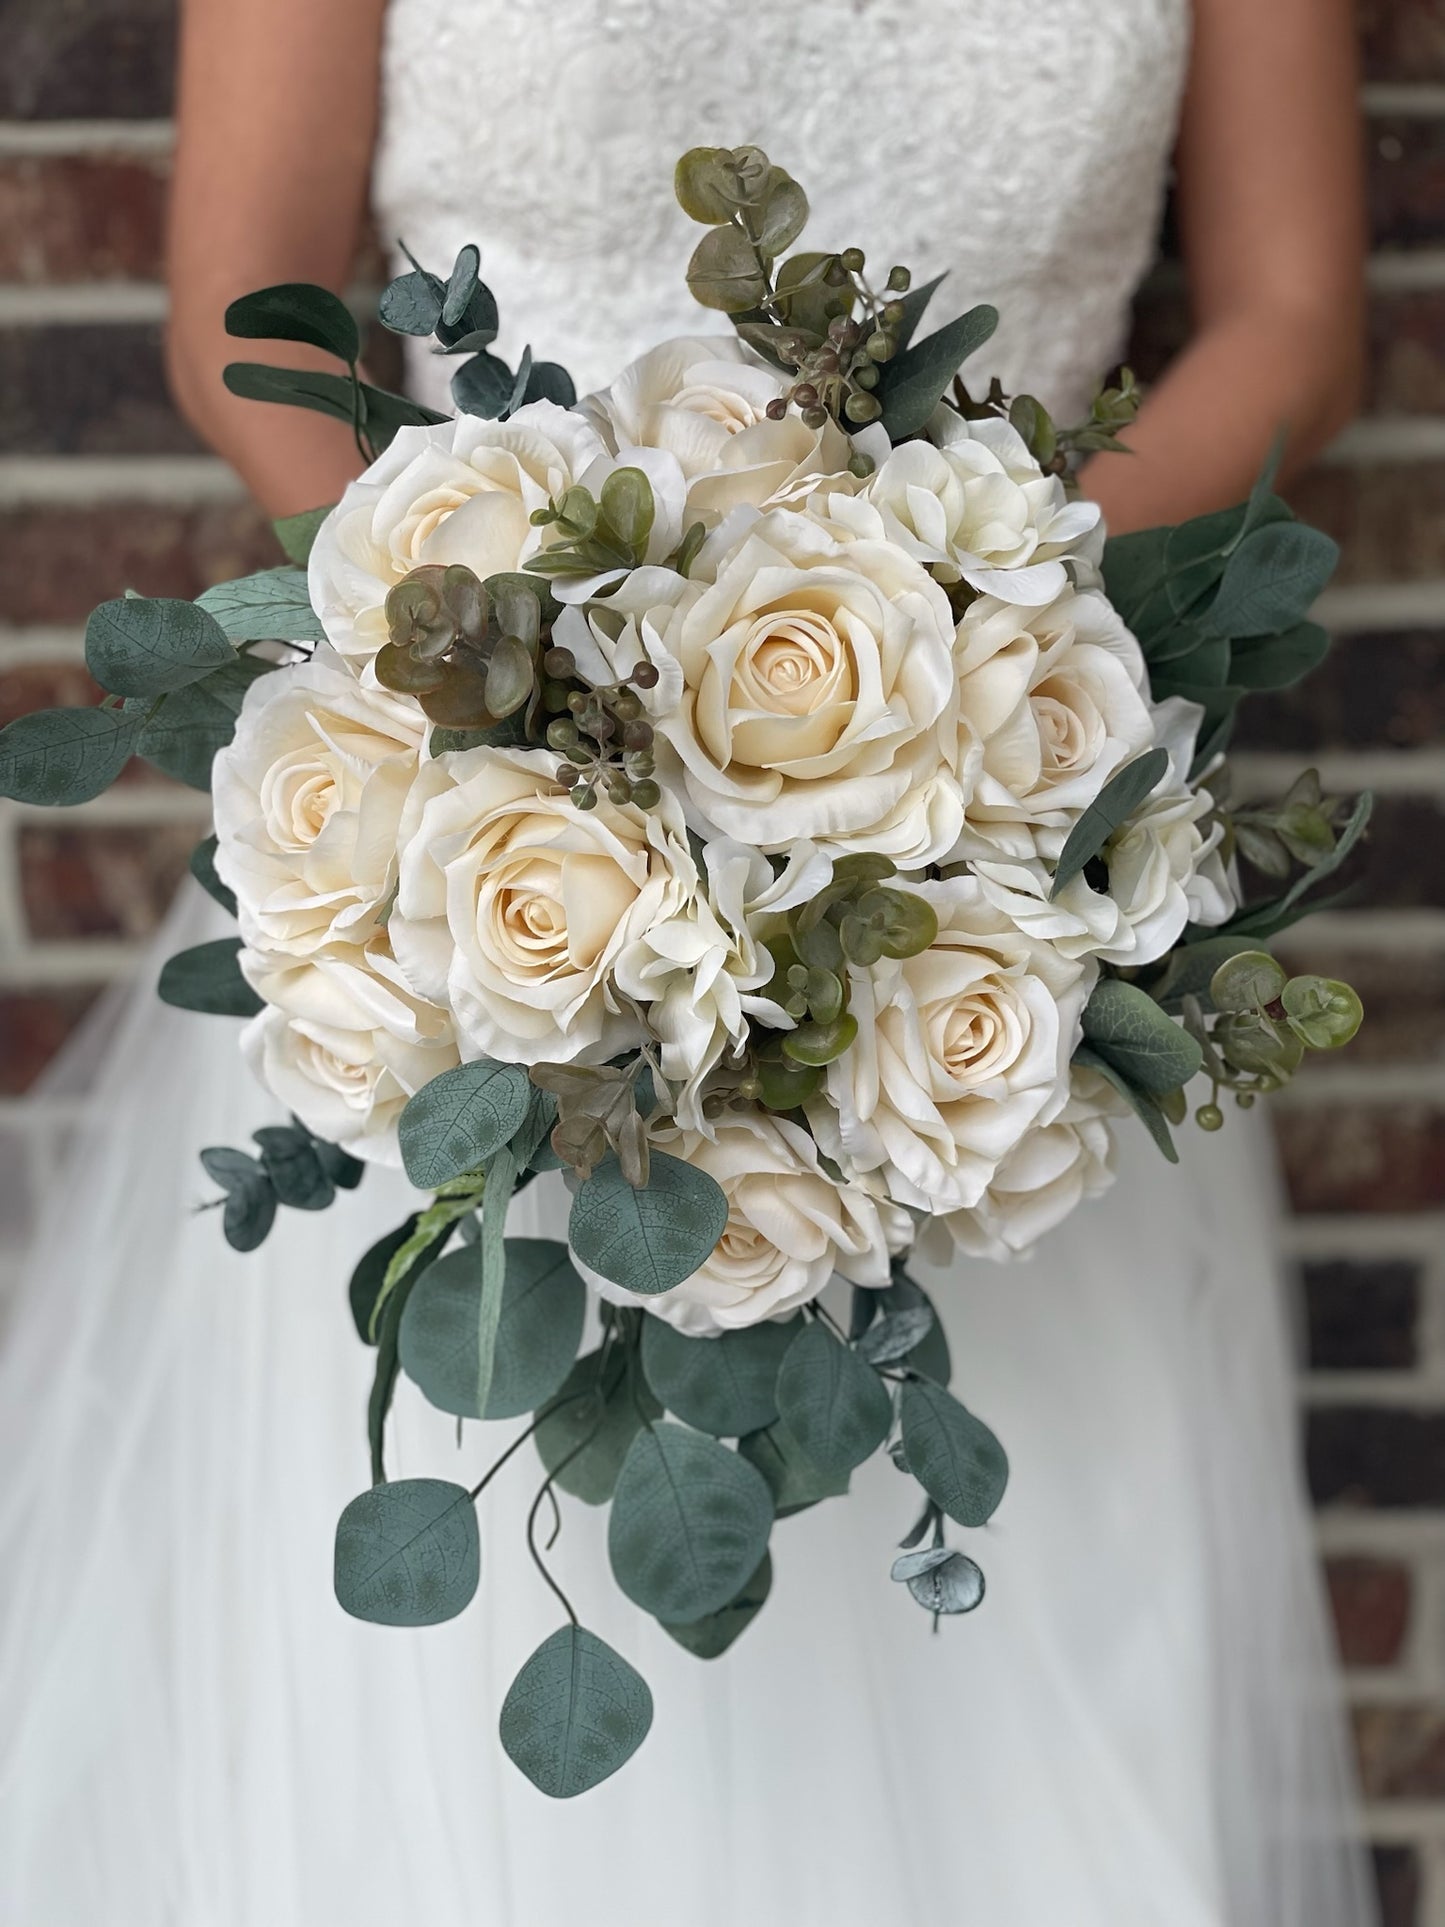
(296,311)
(832,1403)
(793,1479)
(1115,803)
(689,1523)
(1125,1027)
(723,1385)
(297,533)
(408,1553)
(271,606)
(1245,980)
(574,1714)
(1272,580)
(455,1123)
(182,733)
(916,381)
(295,1168)
(953,1455)
(647,1238)
(1146,1108)
(250,1207)
(1263,920)
(584,1435)
(381,413)
(207,977)
(63,756)
(202,867)
(711,1637)
(1322,1012)
(137,646)
(291,1160)
(942,1581)
(366,1279)
(543,1305)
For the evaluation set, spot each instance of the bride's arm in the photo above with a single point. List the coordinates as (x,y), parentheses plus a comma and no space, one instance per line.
(276,116)
(1272,226)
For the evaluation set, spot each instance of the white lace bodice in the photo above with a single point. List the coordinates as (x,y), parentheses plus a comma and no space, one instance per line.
(1020,144)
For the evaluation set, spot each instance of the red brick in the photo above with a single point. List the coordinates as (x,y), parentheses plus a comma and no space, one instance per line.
(88,59)
(1370,1600)
(82,217)
(1388,517)
(1401,1751)
(92,881)
(61,561)
(1359,1157)
(1381,1456)
(1361,1314)
(93,389)
(1406,176)
(1382,691)
(1402,39)
(33,1026)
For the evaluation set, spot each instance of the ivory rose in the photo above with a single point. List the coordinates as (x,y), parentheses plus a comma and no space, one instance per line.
(307,797)
(960,1050)
(514,907)
(789,1228)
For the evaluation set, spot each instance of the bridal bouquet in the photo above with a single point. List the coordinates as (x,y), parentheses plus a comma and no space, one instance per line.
(759,792)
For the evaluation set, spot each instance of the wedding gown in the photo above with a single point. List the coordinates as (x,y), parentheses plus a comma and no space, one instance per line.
(1139,1726)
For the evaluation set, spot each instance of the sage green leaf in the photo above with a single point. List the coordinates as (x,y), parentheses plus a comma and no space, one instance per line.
(202,866)
(914,382)
(724,272)
(455,1123)
(271,606)
(583,1436)
(1274,662)
(833,1404)
(297,533)
(412,303)
(941,1580)
(1125,790)
(1323,1012)
(331,395)
(689,1523)
(1246,981)
(896,1334)
(574,1714)
(550,381)
(207,977)
(953,1455)
(710,1638)
(483,386)
(913,304)
(290,1161)
(62,756)
(296,311)
(785,215)
(543,1306)
(1126,1026)
(627,502)
(137,646)
(183,733)
(793,1479)
(722,1385)
(647,1238)
(344,1171)
(247,1216)
(706,185)
(1135,568)
(1190,969)
(1263,920)
(1143,1105)
(366,1279)
(1272,580)
(408,1553)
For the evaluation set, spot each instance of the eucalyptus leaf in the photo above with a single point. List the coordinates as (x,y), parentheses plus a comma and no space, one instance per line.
(366,1279)
(543,1306)
(290,1160)
(1135,569)
(296,311)
(793,1479)
(1275,662)
(953,1455)
(297,533)
(1124,1024)
(1272,580)
(202,866)
(183,733)
(483,386)
(140,646)
(574,1714)
(724,272)
(330,395)
(408,1553)
(1144,1107)
(942,1581)
(272,606)
(833,1404)
(1249,979)
(455,1123)
(689,1524)
(550,381)
(1265,919)
(62,756)
(647,1238)
(583,1436)
(207,977)
(412,303)
(1115,803)
(915,381)
(1191,966)
(896,1334)
(247,1216)
(710,1638)
(723,1385)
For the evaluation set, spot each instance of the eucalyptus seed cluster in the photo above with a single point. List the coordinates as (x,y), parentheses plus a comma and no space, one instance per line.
(468,651)
(1053,447)
(854,922)
(840,335)
(604,739)
(1263,1022)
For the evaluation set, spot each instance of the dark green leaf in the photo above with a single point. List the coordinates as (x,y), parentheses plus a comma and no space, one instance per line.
(543,1305)
(1135,567)
(208,978)
(953,1455)
(647,1238)
(1142,1104)
(296,1173)
(793,1479)
(455,1123)
(61,756)
(833,1404)
(483,386)
(136,646)
(1274,662)
(549,381)
(344,1171)
(190,725)
(913,304)
(365,1286)
(722,1385)
(296,311)
(203,868)
(1272,580)
(248,1215)
(1126,1026)
(1115,803)
(574,1714)
(408,1553)
(296,533)
(1265,919)
(915,382)
(689,1524)
(599,1413)
(272,606)
(710,1638)
(328,395)
(412,303)
(896,1335)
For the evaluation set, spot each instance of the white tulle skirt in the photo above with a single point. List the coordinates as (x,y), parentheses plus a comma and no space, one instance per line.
(1138,1728)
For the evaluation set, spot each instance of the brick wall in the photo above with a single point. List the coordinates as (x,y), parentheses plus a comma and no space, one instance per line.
(101,486)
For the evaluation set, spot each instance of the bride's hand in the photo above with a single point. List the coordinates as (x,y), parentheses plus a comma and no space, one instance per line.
(276,117)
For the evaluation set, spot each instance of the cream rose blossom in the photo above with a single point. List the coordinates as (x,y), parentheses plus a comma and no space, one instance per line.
(789,1228)
(307,796)
(515,908)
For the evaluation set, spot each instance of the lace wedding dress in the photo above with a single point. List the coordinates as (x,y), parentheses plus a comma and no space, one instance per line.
(1138,1728)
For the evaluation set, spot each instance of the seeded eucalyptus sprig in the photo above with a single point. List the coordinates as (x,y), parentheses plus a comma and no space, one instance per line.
(469,651)
(1260,1023)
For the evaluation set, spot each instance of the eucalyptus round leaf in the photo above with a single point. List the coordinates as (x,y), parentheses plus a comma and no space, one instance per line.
(896,1334)
(722,1385)
(543,1306)
(61,756)
(832,1402)
(583,1436)
(454,1124)
(941,1580)
(296,311)
(369,1275)
(207,977)
(248,1215)
(953,1455)
(187,729)
(689,1525)
(724,271)
(291,1162)
(1141,1041)
(646,1238)
(574,1714)
(711,1637)
(483,386)
(1246,981)
(139,646)
(408,1553)
(1323,1012)
(706,185)
(793,1479)
(412,304)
